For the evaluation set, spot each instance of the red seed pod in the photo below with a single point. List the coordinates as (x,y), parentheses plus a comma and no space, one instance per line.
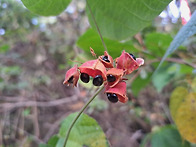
(93,68)
(114,75)
(119,90)
(72,76)
(107,60)
(128,62)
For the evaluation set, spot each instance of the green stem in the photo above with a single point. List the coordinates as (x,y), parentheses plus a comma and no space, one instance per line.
(96,25)
(78,115)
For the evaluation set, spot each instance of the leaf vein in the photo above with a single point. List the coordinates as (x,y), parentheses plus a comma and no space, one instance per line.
(149,6)
(135,14)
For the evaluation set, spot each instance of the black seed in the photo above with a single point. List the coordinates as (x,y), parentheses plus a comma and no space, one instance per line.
(132,56)
(70,79)
(112,97)
(105,58)
(84,77)
(98,80)
(111,78)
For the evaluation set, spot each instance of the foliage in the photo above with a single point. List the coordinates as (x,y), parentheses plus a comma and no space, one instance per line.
(113,46)
(186,31)
(122,19)
(167,136)
(86,130)
(183,108)
(28,51)
(46,7)
(136,14)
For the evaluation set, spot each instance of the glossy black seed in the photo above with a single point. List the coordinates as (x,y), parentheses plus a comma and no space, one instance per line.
(98,80)
(111,78)
(70,79)
(105,58)
(84,77)
(112,97)
(132,56)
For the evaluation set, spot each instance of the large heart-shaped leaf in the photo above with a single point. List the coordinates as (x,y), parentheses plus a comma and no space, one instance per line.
(46,7)
(86,132)
(120,19)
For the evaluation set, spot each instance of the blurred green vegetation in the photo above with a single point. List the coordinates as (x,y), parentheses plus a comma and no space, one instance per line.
(35,53)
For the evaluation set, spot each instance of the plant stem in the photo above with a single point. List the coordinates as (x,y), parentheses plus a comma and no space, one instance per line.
(96,25)
(79,113)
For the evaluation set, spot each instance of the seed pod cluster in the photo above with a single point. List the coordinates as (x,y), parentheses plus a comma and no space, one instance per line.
(103,70)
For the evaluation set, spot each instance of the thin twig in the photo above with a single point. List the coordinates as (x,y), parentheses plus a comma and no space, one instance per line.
(35,120)
(96,25)
(176,60)
(10,106)
(78,115)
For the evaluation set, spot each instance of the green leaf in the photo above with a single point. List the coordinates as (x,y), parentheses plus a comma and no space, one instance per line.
(186,31)
(86,132)
(46,7)
(10,70)
(26,112)
(140,83)
(53,141)
(4,48)
(185,69)
(157,43)
(145,140)
(164,75)
(44,145)
(168,136)
(91,39)
(119,20)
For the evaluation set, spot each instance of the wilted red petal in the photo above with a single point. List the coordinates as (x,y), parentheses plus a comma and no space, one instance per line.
(72,76)
(107,63)
(128,63)
(119,90)
(93,68)
(117,73)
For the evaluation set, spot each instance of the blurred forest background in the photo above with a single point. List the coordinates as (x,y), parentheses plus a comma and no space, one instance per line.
(35,53)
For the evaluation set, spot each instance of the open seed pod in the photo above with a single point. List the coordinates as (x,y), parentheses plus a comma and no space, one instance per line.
(114,75)
(95,69)
(72,76)
(117,93)
(128,62)
(107,60)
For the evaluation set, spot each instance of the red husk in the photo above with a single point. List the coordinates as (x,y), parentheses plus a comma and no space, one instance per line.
(93,68)
(127,63)
(118,73)
(107,64)
(119,90)
(72,72)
